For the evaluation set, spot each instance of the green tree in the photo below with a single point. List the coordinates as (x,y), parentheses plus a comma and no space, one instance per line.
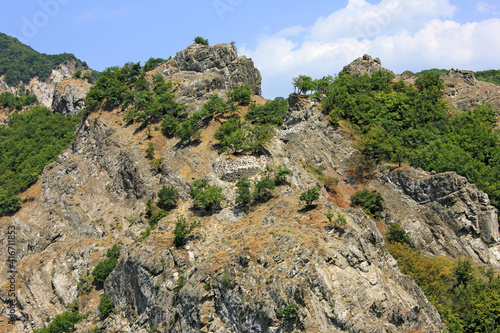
(240,94)
(271,113)
(105,306)
(280,175)
(244,197)
(168,196)
(303,83)
(150,151)
(206,197)
(183,229)
(201,40)
(309,196)
(263,189)
(396,233)
(371,202)
(231,135)
(104,267)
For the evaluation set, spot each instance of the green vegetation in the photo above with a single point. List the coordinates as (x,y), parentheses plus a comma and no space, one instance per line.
(466,297)
(492,76)
(181,282)
(263,188)
(280,175)
(64,322)
(19,62)
(105,306)
(431,71)
(396,233)
(226,279)
(240,94)
(28,143)
(371,202)
(168,196)
(303,83)
(201,40)
(244,197)
(150,151)
(271,113)
(183,229)
(9,100)
(309,196)
(404,123)
(231,135)
(288,312)
(106,266)
(153,219)
(206,197)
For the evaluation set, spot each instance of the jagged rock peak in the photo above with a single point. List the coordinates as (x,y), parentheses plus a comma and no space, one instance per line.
(466,76)
(69,96)
(203,70)
(364,65)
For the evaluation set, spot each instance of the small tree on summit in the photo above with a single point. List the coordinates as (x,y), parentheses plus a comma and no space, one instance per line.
(201,40)
(303,83)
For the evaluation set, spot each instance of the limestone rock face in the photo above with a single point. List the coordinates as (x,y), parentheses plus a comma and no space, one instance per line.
(464,91)
(69,96)
(364,65)
(202,70)
(445,214)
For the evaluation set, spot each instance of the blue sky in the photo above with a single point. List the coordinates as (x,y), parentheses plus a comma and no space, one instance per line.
(284,38)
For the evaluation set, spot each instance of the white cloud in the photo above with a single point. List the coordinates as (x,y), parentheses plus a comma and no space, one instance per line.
(486,8)
(404,35)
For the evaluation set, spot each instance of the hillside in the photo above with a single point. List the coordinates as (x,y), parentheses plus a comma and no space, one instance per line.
(216,255)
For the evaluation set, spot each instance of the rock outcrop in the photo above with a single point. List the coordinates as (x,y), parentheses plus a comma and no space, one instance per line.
(364,65)
(464,91)
(202,70)
(69,96)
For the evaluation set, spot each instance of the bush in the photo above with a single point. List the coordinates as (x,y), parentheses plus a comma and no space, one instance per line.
(263,188)
(62,323)
(244,196)
(105,267)
(9,203)
(168,197)
(201,40)
(206,197)
(272,113)
(226,279)
(280,175)
(231,135)
(310,195)
(150,151)
(371,202)
(240,94)
(169,125)
(288,312)
(105,306)
(183,229)
(397,234)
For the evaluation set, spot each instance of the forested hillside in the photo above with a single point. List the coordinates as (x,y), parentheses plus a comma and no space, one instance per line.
(19,62)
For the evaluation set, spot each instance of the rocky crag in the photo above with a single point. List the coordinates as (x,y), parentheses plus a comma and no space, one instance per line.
(61,92)
(238,272)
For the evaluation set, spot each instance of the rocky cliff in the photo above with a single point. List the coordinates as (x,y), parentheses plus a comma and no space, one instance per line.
(61,92)
(239,271)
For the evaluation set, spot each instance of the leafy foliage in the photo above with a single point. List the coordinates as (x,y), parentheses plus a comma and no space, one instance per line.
(288,312)
(244,197)
(492,75)
(303,83)
(280,175)
(8,99)
(62,323)
(309,195)
(168,196)
(206,197)
(231,135)
(263,188)
(106,266)
(271,113)
(396,233)
(105,306)
(201,40)
(467,300)
(183,229)
(371,202)
(19,62)
(240,94)
(28,143)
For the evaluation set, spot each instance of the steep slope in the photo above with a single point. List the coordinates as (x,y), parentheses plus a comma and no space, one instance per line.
(238,272)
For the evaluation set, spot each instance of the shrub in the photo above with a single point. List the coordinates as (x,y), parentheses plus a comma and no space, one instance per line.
(201,40)
(226,279)
(157,163)
(181,282)
(310,195)
(168,197)
(263,188)
(183,229)
(280,175)
(169,125)
(240,94)
(206,197)
(244,196)
(271,113)
(331,184)
(105,306)
(150,151)
(397,234)
(105,267)
(371,202)
(62,323)
(288,312)
(231,135)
